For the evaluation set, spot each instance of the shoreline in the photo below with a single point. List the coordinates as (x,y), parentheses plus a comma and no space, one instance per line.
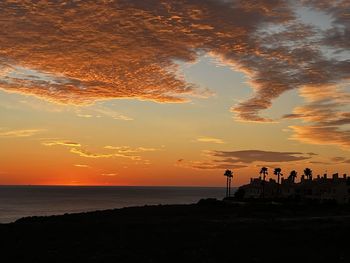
(17,202)
(116,186)
(212,203)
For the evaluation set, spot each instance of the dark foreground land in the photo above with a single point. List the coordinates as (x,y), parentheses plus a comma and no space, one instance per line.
(205,232)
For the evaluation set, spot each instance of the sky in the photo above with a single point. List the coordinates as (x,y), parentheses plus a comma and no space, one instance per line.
(172,92)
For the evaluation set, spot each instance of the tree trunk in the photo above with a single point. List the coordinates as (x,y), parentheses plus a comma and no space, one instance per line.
(264,185)
(229,187)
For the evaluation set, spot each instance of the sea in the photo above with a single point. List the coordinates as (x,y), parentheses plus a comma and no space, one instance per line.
(23,201)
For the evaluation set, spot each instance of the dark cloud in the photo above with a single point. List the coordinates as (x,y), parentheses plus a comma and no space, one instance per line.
(312,154)
(338,159)
(241,159)
(210,165)
(320,162)
(249,156)
(207,165)
(333,160)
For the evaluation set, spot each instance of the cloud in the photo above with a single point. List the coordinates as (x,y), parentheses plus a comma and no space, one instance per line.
(19,133)
(338,35)
(209,165)
(326,112)
(82,165)
(250,156)
(62,143)
(99,111)
(128,149)
(241,159)
(88,154)
(327,115)
(110,174)
(320,162)
(312,154)
(331,161)
(85,115)
(113,114)
(210,140)
(113,151)
(126,49)
(84,51)
(338,159)
(322,135)
(96,50)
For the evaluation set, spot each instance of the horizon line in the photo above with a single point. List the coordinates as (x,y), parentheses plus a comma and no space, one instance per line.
(86,185)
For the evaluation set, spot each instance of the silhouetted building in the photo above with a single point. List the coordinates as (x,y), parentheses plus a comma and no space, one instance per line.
(321,188)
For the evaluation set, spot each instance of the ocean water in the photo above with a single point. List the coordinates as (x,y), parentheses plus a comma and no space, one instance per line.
(22,201)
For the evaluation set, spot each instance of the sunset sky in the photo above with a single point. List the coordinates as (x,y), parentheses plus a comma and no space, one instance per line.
(172,92)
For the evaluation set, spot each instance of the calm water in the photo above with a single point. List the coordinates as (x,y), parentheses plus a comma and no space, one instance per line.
(21,201)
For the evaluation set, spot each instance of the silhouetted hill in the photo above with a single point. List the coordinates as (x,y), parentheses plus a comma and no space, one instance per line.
(210,231)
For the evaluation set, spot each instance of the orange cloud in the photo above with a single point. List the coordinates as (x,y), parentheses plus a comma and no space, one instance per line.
(84,51)
(322,135)
(210,140)
(115,151)
(19,133)
(127,149)
(63,143)
(326,115)
(113,114)
(109,174)
(82,165)
(87,154)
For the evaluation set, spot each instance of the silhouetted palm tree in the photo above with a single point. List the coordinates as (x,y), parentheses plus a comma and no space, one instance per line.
(264,172)
(229,175)
(277,172)
(293,175)
(308,173)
